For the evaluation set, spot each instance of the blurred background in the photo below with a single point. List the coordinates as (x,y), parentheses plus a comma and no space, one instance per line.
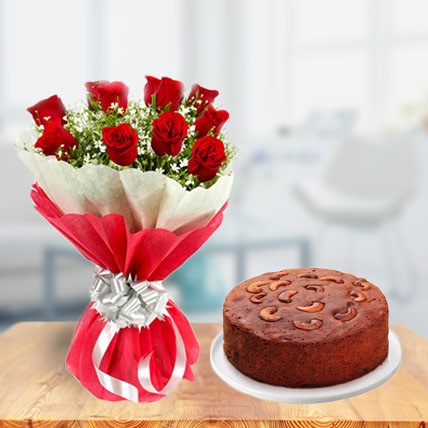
(329,109)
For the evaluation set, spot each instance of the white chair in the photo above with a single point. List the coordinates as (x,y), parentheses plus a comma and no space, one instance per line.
(365,187)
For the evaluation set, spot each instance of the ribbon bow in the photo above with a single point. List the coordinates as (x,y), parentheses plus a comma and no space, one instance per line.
(126,302)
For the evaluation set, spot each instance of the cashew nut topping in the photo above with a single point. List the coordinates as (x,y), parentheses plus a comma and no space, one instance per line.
(258,298)
(278,275)
(267,314)
(255,287)
(346,316)
(312,325)
(275,285)
(307,275)
(364,284)
(331,278)
(286,296)
(315,307)
(315,287)
(358,297)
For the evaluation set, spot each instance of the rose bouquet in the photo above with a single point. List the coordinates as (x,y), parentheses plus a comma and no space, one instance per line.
(137,186)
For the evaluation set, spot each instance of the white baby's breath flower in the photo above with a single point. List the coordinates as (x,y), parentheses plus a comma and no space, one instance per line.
(184,162)
(87,159)
(185,109)
(191,108)
(159,170)
(146,143)
(175,167)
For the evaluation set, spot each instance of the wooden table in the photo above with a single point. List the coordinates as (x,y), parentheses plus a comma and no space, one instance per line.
(37,391)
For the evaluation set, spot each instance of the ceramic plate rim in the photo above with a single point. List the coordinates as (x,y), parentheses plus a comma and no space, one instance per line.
(230,375)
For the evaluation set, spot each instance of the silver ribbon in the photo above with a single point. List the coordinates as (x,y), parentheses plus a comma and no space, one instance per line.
(126,303)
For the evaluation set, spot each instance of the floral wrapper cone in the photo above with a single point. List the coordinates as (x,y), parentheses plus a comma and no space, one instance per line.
(145,199)
(144,357)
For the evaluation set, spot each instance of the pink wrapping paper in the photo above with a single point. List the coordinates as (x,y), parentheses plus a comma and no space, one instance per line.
(149,254)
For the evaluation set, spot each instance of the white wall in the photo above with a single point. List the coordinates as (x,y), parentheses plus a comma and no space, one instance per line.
(273,61)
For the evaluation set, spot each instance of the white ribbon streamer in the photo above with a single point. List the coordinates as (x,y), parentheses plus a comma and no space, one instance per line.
(177,373)
(125,303)
(110,383)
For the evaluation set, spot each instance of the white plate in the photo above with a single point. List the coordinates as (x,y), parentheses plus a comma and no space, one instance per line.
(229,374)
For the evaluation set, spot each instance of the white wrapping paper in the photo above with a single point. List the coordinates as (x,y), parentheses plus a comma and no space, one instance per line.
(145,199)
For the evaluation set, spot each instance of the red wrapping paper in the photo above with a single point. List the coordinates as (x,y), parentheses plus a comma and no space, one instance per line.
(149,254)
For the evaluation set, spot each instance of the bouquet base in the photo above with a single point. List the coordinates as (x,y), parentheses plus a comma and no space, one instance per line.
(129,346)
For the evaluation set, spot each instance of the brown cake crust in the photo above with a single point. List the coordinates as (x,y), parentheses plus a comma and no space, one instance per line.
(305,327)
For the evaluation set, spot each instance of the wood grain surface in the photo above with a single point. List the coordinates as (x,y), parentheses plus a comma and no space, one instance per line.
(37,391)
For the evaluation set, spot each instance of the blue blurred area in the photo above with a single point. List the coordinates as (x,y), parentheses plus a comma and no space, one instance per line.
(201,285)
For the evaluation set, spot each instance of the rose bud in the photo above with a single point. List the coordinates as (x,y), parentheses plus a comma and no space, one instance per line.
(166,91)
(150,89)
(107,93)
(201,97)
(54,137)
(169,132)
(212,119)
(49,109)
(93,89)
(207,157)
(121,142)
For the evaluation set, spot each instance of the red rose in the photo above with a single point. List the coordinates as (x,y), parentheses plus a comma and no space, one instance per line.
(54,137)
(201,97)
(121,142)
(207,157)
(212,119)
(107,93)
(169,132)
(150,88)
(49,109)
(166,90)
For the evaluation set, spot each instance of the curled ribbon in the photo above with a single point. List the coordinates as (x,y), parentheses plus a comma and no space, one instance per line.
(127,303)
